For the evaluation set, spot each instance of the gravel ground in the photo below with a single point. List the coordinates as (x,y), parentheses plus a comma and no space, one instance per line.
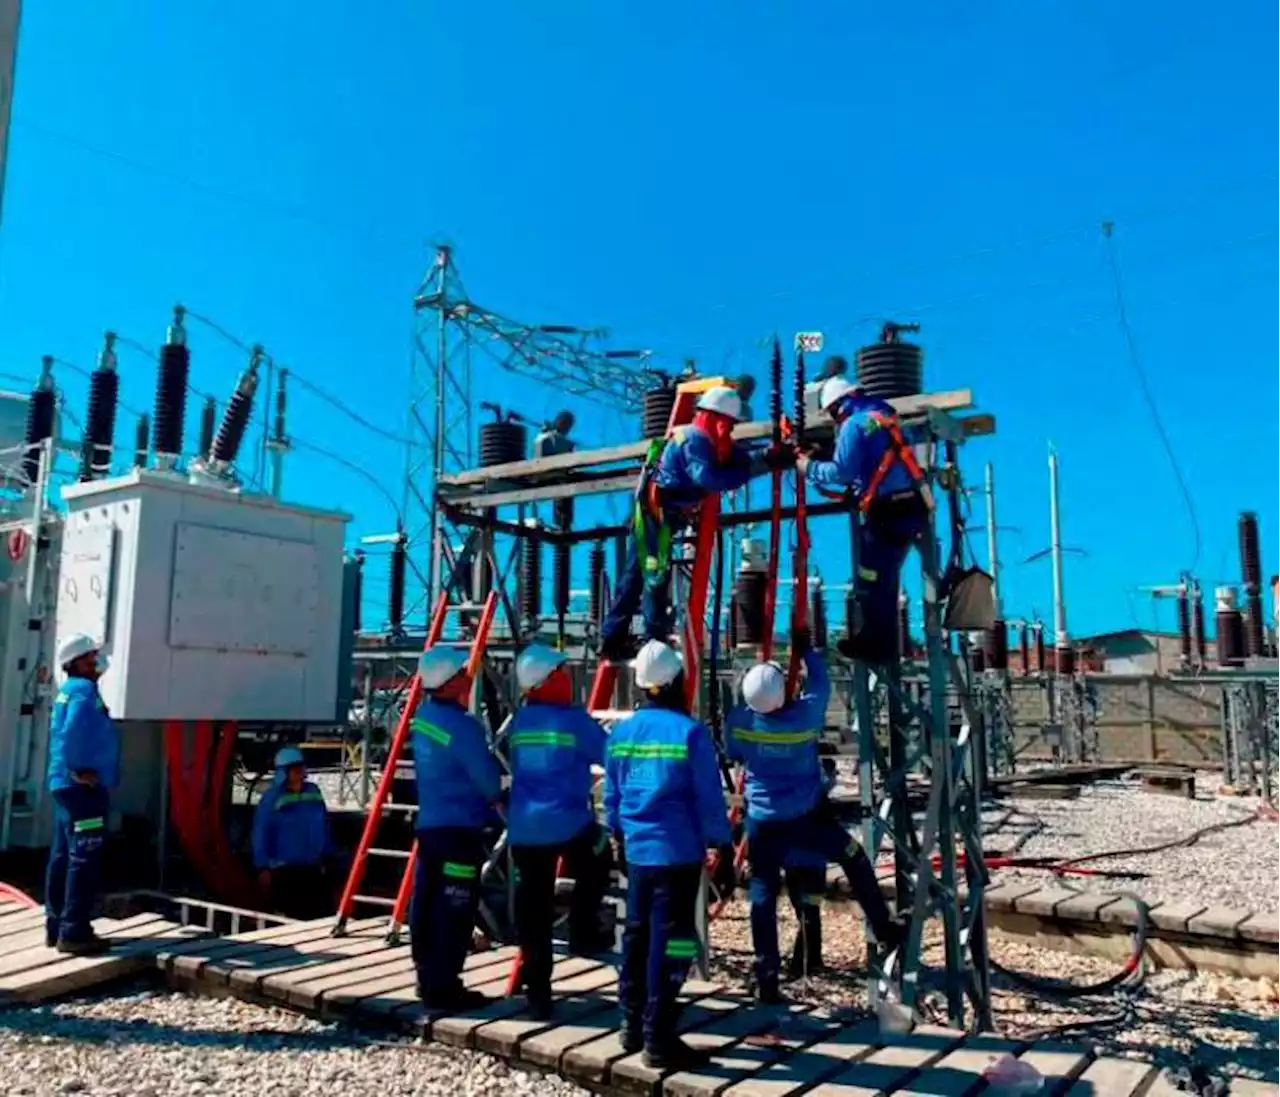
(1239,867)
(1228,1023)
(154,1043)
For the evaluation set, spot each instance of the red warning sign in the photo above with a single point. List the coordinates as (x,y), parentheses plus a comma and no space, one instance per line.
(17,544)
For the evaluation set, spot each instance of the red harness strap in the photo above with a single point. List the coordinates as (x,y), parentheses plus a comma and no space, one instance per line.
(897,450)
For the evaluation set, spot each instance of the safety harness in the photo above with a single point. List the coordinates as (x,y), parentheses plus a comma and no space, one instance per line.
(653,536)
(897,450)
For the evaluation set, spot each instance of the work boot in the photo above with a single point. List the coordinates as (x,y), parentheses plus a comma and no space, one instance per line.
(93,945)
(631,1036)
(539,1004)
(674,1054)
(456,1000)
(767,992)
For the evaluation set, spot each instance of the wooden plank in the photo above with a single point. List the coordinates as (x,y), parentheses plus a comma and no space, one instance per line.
(1112,1078)
(385,995)
(893,1065)
(17,962)
(1251,1087)
(746,1057)
(592,1063)
(309,956)
(216,942)
(503,1037)
(831,1054)
(959,1072)
(195,964)
(24,935)
(304,987)
(1058,1063)
(13,911)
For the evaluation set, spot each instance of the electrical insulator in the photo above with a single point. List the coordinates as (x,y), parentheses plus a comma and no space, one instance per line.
(818,615)
(395,597)
(1251,571)
(142,440)
(282,401)
(1230,628)
(1064,660)
(41,408)
(208,423)
(595,572)
(235,420)
(560,563)
(1040,649)
(357,590)
(905,650)
(100,418)
(171,393)
(731,630)
(1197,622)
(531,574)
(1184,625)
(1024,648)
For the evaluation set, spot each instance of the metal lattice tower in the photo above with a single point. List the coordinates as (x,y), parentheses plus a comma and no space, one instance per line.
(453,337)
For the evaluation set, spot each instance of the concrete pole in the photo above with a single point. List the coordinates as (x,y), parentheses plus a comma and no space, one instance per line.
(1055,527)
(993,555)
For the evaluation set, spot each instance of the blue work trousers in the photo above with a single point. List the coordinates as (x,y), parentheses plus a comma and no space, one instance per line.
(446,895)
(885,536)
(659,943)
(75,861)
(648,592)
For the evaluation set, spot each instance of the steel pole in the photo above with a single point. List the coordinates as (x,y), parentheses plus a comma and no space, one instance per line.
(1055,528)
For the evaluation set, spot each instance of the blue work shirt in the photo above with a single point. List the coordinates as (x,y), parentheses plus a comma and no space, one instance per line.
(290,828)
(458,779)
(859,447)
(780,749)
(688,470)
(662,789)
(82,736)
(552,749)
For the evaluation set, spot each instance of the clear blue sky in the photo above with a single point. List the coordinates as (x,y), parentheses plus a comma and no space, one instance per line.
(694,177)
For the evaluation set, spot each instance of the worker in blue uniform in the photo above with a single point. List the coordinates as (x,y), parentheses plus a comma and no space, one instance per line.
(664,805)
(875,466)
(291,843)
(805,872)
(459,784)
(699,459)
(84,765)
(777,742)
(552,745)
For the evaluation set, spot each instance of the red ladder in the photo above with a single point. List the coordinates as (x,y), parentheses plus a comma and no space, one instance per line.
(351,894)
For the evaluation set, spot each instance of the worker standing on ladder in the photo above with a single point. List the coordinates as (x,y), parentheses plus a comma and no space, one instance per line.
(291,840)
(888,489)
(699,459)
(777,742)
(459,782)
(552,745)
(84,765)
(664,806)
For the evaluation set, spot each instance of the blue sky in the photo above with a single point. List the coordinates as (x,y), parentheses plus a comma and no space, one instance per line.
(693,177)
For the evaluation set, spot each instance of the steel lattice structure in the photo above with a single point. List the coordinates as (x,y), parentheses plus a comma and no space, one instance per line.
(454,337)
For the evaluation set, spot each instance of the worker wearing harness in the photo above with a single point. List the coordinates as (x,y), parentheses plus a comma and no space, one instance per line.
(699,459)
(291,840)
(458,782)
(664,806)
(552,745)
(777,742)
(874,466)
(84,764)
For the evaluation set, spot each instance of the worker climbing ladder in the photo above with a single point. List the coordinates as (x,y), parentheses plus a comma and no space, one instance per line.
(383,802)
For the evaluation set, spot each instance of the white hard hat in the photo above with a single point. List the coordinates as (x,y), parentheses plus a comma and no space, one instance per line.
(289,756)
(764,688)
(723,401)
(535,665)
(437,665)
(657,665)
(836,390)
(74,646)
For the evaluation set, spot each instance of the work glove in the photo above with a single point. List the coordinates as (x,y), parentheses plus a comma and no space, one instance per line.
(779,458)
(724,877)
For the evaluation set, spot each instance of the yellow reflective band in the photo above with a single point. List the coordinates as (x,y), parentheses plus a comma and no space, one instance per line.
(869,574)
(775,738)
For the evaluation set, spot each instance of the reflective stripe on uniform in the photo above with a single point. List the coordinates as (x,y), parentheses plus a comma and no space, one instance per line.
(681,948)
(80,826)
(306,796)
(869,574)
(543,739)
(431,731)
(458,871)
(669,752)
(775,738)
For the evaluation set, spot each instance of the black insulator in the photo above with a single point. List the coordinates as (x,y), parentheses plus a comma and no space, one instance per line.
(531,577)
(891,367)
(1024,648)
(562,513)
(655,410)
(235,420)
(1064,660)
(208,421)
(41,408)
(100,418)
(1040,650)
(904,630)
(731,631)
(818,617)
(1250,556)
(748,604)
(1184,626)
(798,396)
(775,389)
(1255,633)
(167,425)
(1197,626)
(357,591)
(395,596)
(503,442)
(595,572)
(1230,638)
(996,646)
(560,578)
(142,440)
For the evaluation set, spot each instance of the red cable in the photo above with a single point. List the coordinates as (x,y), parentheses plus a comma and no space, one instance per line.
(16,895)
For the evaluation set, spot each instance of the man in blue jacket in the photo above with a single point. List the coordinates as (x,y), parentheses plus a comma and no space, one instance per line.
(665,807)
(777,742)
(552,745)
(84,764)
(699,459)
(875,466)
(291,840)
(459,783)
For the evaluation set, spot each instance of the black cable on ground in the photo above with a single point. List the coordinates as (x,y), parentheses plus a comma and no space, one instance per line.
(1177,843)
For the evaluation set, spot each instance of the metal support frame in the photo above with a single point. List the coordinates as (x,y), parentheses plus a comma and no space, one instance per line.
(1249,735)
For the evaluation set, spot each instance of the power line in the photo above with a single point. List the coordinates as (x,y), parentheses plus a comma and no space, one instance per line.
(1135,360)
(351,466)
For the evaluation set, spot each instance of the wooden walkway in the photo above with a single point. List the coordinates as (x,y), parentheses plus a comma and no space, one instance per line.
(759,1051)
(30,972)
